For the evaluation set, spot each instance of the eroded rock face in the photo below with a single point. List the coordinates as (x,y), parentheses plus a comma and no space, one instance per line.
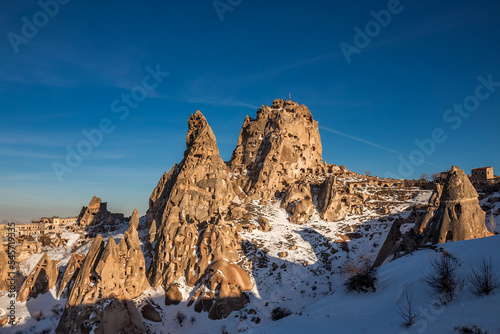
(4,269)
(71,272)
(459,216)
(185,251)
(331,206)
(298,203)
(109,278)
(279,147)
(41,280)
(95,212)
(453,214)
(229,281)
(199,186)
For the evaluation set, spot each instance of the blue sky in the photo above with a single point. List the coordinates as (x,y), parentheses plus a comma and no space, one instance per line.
(395,90)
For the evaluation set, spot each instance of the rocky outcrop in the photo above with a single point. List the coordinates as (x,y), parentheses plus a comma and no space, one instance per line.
(110,276)
(187,207)
(221,291)
(199,185)
(96,212)
(298,203)
(173,296)
(453,214)
(4,269)
(331,204)
(279,147)
(41,280)
(28,247)
(432,206)
(71,272)
(459,216)
(183,251)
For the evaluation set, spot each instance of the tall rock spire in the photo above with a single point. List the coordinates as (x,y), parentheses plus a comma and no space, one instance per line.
(199,185)
(459,216)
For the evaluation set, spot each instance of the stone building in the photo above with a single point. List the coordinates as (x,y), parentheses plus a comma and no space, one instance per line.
(482,174)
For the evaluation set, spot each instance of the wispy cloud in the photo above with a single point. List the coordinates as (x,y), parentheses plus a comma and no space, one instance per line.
(361,140)
(26,154)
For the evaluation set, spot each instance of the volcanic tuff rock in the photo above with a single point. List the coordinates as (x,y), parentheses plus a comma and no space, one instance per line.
(453,214)
(459,216)
(108,272)
(298,202)
(41,280)
(199,185)
(71,272)
(4,269)
(279,147)
(185,251)
(95,212)
(229,281)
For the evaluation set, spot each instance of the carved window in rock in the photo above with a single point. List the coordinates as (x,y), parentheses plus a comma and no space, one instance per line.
(458,210)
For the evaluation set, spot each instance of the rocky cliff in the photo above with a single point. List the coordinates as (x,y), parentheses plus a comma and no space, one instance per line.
(278,148)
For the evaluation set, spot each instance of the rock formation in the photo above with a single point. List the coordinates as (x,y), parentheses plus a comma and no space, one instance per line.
(4,269)
(331,205)
(187,210)
(41,280)
(183,251)
(229,280)
(199,185)
(453,214)
(298,202)
(109,278)
(279,147)
(95,212)
(71,272)
(459,216)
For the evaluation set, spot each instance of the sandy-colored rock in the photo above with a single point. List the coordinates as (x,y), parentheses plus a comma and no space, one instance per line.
(120,317)
(278,148)
(173,296)
(110,276)
(230,281)
(264,224)
(96,212)
(41,280)
(298,203)
(331,206)
(150,313)
(4,270)
(71,272)
(199,185)
(459,216)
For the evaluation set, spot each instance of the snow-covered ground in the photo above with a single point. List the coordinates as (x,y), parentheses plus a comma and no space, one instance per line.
(377,312)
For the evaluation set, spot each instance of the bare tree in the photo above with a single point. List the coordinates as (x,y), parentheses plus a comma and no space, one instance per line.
(180,317)
(368,173)
(484,277)
(406,310)
(443,277)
